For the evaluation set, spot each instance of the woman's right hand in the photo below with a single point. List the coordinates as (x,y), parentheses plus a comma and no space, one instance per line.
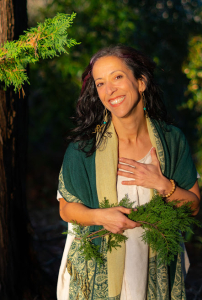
(114,219)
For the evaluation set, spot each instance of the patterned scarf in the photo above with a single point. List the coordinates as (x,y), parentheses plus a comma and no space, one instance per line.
(88,181)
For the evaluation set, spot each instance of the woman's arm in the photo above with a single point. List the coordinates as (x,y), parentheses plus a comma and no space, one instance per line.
(112,219)
(150,176)
(191,195)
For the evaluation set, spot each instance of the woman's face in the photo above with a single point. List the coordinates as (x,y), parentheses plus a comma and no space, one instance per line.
(117,87)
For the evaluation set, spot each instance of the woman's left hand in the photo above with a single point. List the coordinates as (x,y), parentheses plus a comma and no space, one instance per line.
(146,175)
(150,176)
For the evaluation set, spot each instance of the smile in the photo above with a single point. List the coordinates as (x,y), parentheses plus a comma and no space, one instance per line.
(117,100)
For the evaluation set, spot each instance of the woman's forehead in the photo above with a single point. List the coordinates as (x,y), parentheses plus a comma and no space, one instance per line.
(108,64)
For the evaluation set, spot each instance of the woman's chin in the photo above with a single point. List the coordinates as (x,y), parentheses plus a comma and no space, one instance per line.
(125,115)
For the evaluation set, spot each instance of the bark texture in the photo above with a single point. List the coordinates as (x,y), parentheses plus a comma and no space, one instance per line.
(14,237)
(21,277)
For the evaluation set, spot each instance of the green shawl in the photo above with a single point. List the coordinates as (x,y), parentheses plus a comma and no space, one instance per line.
(88,180)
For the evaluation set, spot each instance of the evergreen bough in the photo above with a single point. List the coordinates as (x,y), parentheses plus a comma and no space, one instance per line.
(47,40)
(163,222)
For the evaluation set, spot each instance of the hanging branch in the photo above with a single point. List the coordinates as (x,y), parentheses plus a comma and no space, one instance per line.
(47,40)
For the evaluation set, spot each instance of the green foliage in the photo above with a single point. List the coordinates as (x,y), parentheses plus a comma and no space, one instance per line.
(161,29)
(115,240)
(125,202)
(192,68)
(87,248)
(162,222)
(90,250)
(47,40)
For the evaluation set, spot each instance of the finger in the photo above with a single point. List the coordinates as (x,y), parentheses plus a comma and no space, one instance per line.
(128,161)
(130,182)
(131,224)
(126,168)
(124,210)
(126,174)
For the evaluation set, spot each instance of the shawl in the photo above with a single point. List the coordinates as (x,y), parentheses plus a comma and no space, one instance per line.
(88,180)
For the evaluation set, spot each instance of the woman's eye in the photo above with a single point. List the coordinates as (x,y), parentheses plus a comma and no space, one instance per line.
(119,76)
(99,84)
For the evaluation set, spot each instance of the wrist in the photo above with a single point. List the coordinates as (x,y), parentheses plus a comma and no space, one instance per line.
(97,218)
(164,186)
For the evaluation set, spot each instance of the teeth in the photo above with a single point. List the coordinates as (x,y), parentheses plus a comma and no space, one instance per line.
(117,100)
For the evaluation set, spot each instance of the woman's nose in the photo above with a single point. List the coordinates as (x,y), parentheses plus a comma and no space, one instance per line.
(110,88)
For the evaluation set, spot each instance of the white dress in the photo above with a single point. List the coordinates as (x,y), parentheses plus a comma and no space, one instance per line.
(136,260)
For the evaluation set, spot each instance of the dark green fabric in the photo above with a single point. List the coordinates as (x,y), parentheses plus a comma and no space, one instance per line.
(178,160)
(79,176)
(80,179)
(171,272)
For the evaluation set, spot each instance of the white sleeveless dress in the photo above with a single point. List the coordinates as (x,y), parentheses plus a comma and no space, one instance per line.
(136,260)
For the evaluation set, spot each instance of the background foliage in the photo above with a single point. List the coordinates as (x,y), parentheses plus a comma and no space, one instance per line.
(167,31)
(192,67)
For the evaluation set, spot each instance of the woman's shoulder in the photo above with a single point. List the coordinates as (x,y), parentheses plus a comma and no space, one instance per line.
(72,146)
(172,135)
(174,130)
(76,153)
(171,131)
(175,133)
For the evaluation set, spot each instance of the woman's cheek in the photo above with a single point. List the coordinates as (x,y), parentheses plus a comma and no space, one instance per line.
(101,96)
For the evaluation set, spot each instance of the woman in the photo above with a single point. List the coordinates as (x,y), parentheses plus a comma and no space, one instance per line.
(122,145)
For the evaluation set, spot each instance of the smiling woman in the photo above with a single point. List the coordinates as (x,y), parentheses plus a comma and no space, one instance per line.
(123,144)
(117,87)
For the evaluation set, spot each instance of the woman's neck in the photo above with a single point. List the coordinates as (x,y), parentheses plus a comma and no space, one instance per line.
(131,128)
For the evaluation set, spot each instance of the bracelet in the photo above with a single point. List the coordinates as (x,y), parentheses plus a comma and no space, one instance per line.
(173,189)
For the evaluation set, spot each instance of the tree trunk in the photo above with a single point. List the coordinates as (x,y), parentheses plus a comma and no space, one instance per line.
(20,275)
(14,237)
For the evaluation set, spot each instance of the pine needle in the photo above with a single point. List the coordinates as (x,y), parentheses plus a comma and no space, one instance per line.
(47,40)
(163,222)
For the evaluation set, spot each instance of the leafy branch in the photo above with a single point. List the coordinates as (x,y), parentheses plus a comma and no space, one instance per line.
(162,222)
(47,40)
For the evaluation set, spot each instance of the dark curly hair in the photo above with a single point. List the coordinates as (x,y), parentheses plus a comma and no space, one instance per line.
(90,110)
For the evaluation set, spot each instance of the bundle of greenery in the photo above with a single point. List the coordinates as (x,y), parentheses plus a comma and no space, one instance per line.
(163,224)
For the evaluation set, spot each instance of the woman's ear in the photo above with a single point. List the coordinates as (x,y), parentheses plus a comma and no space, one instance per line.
(142,84)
